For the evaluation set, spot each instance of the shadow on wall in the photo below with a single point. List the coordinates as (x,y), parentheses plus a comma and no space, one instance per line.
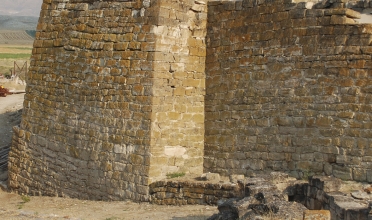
(7,121)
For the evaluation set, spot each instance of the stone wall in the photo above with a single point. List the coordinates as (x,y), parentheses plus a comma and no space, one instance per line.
(175,192)
(287,88)
(177,138)
(275,194)
(112,90)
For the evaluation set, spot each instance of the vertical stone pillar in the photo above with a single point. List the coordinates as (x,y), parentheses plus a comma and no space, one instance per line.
(177,127)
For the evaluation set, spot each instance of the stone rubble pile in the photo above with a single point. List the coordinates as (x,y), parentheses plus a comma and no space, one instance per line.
(274,195)
(345,200)
(263,198)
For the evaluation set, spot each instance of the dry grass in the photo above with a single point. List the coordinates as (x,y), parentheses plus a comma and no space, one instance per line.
(11,53)
(16,56)
(175,175)
(15,48)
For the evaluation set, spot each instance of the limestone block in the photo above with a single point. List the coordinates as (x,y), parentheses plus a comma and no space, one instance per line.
(369,175)
(327,184)
(343,11)
(236,178)
(359,174)
(210,176)
(338,19)
(317,215)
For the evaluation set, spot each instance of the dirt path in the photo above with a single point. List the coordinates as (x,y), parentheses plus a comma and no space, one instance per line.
(11,102)
(9,116)
(14,206)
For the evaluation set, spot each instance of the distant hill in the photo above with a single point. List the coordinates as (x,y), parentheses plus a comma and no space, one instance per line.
(8,22)
(16,37)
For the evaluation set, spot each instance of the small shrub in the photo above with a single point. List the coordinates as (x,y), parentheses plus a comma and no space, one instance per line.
(25,198)
(305,174)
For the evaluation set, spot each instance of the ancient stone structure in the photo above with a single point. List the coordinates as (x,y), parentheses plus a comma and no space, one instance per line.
(274,194)
(288,88)
(120,93)
(115,98)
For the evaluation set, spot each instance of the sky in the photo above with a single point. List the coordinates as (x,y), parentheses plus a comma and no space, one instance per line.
(20,7)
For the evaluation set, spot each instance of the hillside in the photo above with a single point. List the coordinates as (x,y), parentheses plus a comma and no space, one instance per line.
(15,37)
(8,22)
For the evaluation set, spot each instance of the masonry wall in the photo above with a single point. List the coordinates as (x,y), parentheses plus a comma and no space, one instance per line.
(86,121)
(177,137)
(287,88)
(102,98)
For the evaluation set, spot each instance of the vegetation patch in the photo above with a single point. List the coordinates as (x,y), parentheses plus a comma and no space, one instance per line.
(14,55)
(25,199)
(32,33)
(175,175)
(21,48)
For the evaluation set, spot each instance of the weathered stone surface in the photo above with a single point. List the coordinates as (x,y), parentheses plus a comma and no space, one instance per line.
(266,202)
(236,178)
(281,94)
(326,183)
(338,200)
(193,191)
(235,202)
(210,176)
(317,215)
(361,195)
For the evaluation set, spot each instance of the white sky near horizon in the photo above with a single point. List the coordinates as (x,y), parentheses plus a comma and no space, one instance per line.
(20,7)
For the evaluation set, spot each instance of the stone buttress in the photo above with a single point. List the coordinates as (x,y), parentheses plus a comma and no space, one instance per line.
(114,99)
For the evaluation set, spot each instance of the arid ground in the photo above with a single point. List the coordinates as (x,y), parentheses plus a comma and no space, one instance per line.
(13,206)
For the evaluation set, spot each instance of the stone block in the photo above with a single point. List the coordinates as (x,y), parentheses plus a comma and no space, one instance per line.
(338,19)
(359,174)
(342,172)
(327,184)
(236,178)
(343,11)
(317,215)
(369,175)
(210,176)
